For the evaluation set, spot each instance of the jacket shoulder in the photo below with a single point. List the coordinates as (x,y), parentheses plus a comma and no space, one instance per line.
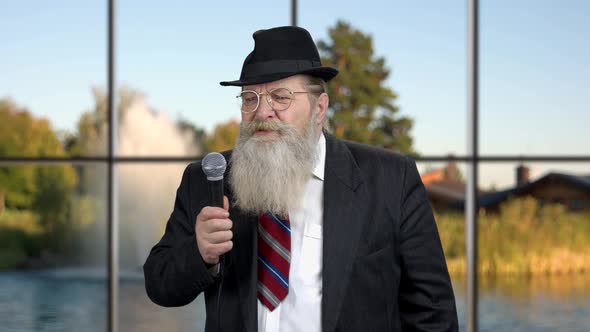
(368,156)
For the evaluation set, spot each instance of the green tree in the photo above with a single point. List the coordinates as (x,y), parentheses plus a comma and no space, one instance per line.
(223,137)
(46,190)
(17,139)
(362,107)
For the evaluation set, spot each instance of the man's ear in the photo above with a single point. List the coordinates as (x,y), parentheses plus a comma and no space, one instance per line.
(321,108)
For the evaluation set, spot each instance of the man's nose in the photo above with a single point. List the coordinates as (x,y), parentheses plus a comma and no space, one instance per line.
(264,110)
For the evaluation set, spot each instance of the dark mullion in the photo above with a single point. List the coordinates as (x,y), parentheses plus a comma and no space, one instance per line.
(508,158)
(471,185)
(163,159)
(112,227)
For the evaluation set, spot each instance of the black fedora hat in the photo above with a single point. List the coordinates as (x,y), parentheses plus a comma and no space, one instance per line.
(279,53)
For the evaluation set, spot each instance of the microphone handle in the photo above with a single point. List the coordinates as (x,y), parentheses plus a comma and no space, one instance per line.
(216,199)
(216,193)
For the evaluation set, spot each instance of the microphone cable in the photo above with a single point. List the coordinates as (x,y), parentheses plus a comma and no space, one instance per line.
(221,277)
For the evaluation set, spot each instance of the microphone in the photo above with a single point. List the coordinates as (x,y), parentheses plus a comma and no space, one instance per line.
(214,165)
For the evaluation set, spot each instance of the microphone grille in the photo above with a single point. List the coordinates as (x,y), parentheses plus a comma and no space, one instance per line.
(214,165)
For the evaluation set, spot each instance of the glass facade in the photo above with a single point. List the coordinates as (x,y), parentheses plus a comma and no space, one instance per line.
(56,203)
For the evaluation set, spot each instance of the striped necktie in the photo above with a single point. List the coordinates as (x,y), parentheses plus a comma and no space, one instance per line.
(274,257)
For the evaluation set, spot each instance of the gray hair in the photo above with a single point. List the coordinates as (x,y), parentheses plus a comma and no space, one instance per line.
(316,86)
(272,177)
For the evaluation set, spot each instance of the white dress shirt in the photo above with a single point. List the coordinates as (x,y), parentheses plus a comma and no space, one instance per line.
(301,309)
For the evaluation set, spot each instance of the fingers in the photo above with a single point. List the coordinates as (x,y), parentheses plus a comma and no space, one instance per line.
(217,225)
(219,237)
(210,252)
(216,250)
(213,232)
(211,212)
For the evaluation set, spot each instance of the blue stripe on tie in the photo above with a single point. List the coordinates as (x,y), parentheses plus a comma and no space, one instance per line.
(274,272)
(280,223)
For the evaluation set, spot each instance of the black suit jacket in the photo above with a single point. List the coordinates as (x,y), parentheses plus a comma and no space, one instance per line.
(383,264)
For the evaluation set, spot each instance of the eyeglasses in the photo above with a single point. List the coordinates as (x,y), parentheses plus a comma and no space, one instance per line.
(278,99)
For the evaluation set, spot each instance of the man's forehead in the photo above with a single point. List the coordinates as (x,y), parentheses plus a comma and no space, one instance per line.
(289,82)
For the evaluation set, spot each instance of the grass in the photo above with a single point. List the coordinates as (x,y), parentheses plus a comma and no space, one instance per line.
(522,239)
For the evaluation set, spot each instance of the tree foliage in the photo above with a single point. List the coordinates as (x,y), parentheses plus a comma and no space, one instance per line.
(223,137)
(43,189)
(362,107)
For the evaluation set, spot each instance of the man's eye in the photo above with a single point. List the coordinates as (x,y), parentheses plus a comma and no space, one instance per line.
(249,99)
(281,99)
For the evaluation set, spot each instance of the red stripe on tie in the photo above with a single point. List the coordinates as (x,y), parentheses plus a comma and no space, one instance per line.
(269,280)
(278,233)
(272,256)
(266,302)
(270,262)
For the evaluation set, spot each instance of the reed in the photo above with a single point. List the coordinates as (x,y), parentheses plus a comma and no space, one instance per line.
(523,238)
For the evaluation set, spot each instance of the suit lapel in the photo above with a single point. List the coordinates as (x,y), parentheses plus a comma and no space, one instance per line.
(244,262)
(341,227)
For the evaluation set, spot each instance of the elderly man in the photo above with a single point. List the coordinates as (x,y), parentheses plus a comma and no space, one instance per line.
(318,234)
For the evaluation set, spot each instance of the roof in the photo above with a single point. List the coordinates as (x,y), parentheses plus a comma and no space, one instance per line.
(433,176)
(494,198)
(451,190)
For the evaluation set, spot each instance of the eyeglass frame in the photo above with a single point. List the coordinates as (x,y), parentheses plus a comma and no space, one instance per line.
(267,93)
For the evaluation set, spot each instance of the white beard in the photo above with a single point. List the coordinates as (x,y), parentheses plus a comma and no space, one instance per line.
(270,174)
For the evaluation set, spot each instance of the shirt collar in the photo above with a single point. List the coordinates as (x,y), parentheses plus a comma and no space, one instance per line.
(318,170)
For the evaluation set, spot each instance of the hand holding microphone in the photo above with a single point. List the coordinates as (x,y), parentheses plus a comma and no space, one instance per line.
(213,226)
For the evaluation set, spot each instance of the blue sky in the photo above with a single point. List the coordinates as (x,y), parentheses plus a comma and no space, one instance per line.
(535,63)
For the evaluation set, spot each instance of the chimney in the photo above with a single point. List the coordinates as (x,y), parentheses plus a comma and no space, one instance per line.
(451,172)
(522,175)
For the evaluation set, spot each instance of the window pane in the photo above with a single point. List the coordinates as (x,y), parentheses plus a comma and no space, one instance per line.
(53,78)
(535,64)
(423,46)
(170,71)
(53,248)
(534,253)
(146,199)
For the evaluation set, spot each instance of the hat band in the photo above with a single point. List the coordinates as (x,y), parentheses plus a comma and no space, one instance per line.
(278,66)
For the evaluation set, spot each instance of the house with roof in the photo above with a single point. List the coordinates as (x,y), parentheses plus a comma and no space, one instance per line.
(446,190)
(572,191)
(445,187)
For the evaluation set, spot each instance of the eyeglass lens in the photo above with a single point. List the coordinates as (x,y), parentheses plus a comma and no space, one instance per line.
(279,99)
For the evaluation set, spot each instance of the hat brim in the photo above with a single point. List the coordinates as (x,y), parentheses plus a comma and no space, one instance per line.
(325,73)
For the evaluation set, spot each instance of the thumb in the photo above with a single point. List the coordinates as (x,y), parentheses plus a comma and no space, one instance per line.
(225,203)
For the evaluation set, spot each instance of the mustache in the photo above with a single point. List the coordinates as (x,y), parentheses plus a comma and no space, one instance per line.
(251,127)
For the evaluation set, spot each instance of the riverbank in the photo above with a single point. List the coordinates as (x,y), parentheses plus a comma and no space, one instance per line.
(21,238)
(522,239)
(25,245)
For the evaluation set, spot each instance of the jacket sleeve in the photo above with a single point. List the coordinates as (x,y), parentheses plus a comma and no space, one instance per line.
(426,298)
(174,271)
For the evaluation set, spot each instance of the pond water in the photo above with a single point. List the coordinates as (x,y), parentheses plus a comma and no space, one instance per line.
(75,300)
